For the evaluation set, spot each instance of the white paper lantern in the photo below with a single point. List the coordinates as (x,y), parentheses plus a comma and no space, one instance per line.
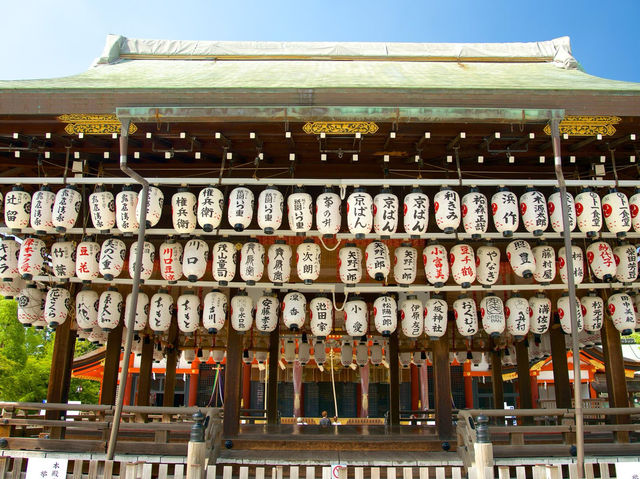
(56,307)
(359,213)
(11,287)
(155,201)
(620,309)
(218,355)
(578,264)
(555,211)
(492,314)
(533,208)
(375,353)
(319,353)
(240,210)
(251,261)
(346,353)
(636,306)
(279,262)
(517,316)
(294,310)
(615,209)
(210,205)
(588,212)
(241,312)
(42,210)
(328,213)
(63,259)
(362,354)
(194,259)
(405,264)
(634,209)
(350,264)
(545,260)
(304,351)
(436,264)
(31,305)
(435,317)
(377,260)
(466,314)
(66,208)
(411,316)
(564,312)
(126,207)
(102,206)
(188,312)
(110,309)
(214,313)
(17,208)
(223,264)
(141,317)
(300,211)
(267,308)
(446,207)
(171,258)
(521,258)
(463,264)
(184,208)
(160,311)
(475,213)
(385,314)
(9,254)
(487,265)
(601,260)
(31,258)
(148,255)
(87,260)
(504,209)
(308,261)
(270,210)
(112,254)
(98,337)
(321,316)
(416,213)
(626,258)
(540,313)
(385,213)
(593,312)
(356,320)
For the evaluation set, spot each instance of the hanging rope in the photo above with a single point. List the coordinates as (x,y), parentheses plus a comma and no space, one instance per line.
(333,386)
(333,295)
(327,248)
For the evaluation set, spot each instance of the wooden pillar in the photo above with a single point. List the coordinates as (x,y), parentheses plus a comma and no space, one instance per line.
(468,385)
(144,378)
(111,366)
(272,383)
(561,384)
(415,387)
(232,383)
(394,380)
(614,371)
(524,378)
(442,388)
(497,387)
(169,390)
(246,385)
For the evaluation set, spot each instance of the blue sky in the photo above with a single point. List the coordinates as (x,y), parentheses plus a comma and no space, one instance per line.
(43,38)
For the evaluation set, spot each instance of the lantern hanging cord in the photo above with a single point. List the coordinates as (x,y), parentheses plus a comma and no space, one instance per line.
(456,149)
(613,164)
(333,386)
(333,295)
(66,165)
(326,247)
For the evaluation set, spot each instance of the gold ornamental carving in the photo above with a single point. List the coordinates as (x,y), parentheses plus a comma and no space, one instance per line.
(586,125)
(92,124)
(340,127)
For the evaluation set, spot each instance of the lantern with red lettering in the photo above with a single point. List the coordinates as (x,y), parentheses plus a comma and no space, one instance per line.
(564,312)
(11,287)
(300,211)
(9,253)
(593,312)
(87,260)
(601,260)
(267,308)
(620,309)
(385,314)
(97,337)
(31,258)
(411,316)
(270,210)
(555,211)
(148,255)
(626,258)
(533,209)
(328,213)
(171,253)
(375,353)
(356,322)
(63,259)
(405,264)
(126,206)
(615,209)
(446,207)
(350,264)
(346,353)
(17,208)
(56,307)
(308,261)
(466,314)
(209,211)
(359,213)
(544,257)
(589,212)
(435,317)
(160,311)
(377,260)
(516,312)
(194,259)
(184,207)
(634,209)
(223,264)
(475,213)
(636,305)
(42,210)
(251,261)
(30,305)
(279,262)
(188,312)
(112,254)
(155,201)
(416,213)
(492,314)
(214,313)
(385,213)
(141,317)
(540,313)
(241,312)
(362,354)
(487,265)
(578,264)
(463,264)
(521,258)
(66,208)
(102,206)
(436,264)
(109,309)
(294,310)
(240,210)
(504,208)
(321,316)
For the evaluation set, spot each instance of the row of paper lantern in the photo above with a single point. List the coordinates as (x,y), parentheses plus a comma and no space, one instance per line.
(48,212)
(88,260)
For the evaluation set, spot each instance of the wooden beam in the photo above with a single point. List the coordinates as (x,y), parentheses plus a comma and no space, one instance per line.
(170,371)
(561,384)
(394,380)
(524,378)
(415,387)
(246,385)
(232,383)
(144,379)
(111,366)
(272,382)
(442,388)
